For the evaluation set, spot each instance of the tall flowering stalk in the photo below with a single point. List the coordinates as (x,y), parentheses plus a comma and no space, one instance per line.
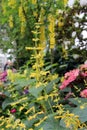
(38,55)
(51,28)
(42,29)
(22,19)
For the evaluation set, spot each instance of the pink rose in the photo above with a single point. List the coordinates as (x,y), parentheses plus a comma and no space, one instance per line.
(69,77)
(83,93)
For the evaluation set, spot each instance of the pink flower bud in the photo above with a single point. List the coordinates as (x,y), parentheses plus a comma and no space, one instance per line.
(13,110)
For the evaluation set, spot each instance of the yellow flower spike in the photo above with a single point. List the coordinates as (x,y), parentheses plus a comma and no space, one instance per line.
(11,21)
(21,14)
(51,28)
(42,28)
(12,3)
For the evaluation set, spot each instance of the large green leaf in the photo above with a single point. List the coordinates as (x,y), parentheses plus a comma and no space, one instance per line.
(52,124)
(35,91)
(81,111)
(78,101)
(22,82)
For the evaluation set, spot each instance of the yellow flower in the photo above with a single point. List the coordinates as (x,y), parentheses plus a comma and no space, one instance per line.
(8,125)
(35,39)
(31,129)
(51,28)
(21,108)
(37,26)
(23,27)
(65,2)
(34,1)
(38,84)
(42,120)
(12,3)
(32,117)
(35,32)
(41,129)
(11,21)
(82,107)
(31,109)
(22,125)
(60,22)
(34,48)
(1,124)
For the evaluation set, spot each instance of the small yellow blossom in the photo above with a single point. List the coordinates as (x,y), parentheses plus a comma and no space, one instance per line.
(21,108)
(2,123)
(31,129)
(19,101)
(8,126)
(42,120)
(35,32)
(82,107)
(12,3)
(34,1)
(34,48)
(31,109)
(65,2)
(35,39)
(22,125)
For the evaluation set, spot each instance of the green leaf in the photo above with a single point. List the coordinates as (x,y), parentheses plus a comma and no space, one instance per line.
(50,85)
(50,66)
(81,111)
(52,124)
(35,91)
(6,103)
(78,101)
(22,82)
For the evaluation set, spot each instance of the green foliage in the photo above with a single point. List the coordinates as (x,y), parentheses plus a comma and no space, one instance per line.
(80,111)
(31,99)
